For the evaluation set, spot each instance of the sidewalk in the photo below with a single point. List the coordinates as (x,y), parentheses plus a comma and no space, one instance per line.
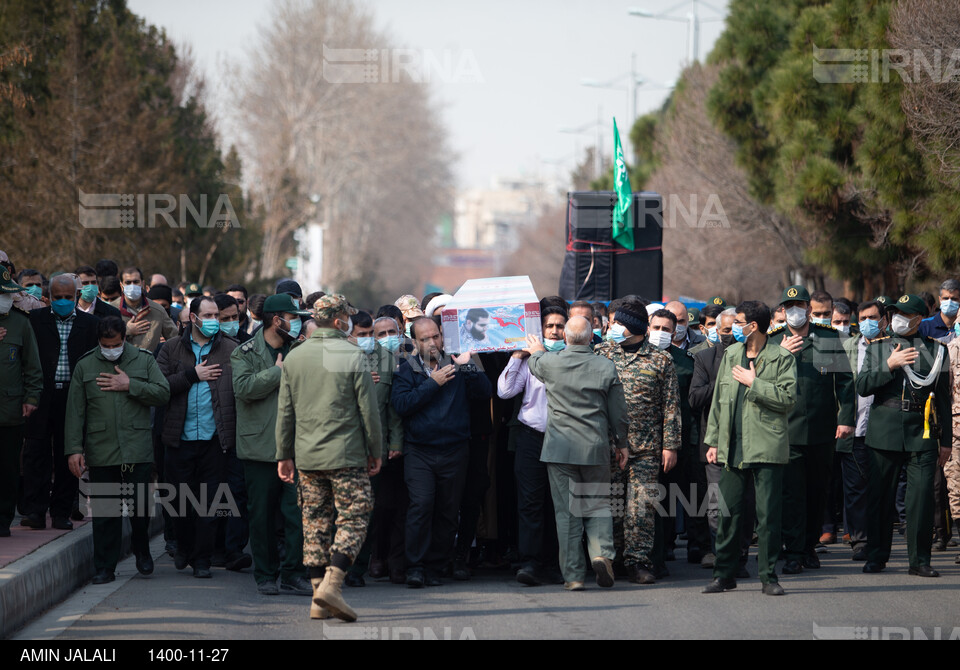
(39,568)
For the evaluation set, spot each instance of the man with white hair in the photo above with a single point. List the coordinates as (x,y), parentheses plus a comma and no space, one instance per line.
(63,336)
(586,406)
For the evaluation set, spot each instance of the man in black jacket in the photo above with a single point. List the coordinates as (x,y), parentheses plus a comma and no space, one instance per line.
(63,336)
(89,290)
(431,392)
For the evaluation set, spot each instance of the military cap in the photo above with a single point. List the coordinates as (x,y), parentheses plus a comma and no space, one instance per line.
(283,303)
(717,300)
(409,306)
(7,285)
(884,300)
(693,315)
(910,304)
(329,306)
(794,293)
(192,290)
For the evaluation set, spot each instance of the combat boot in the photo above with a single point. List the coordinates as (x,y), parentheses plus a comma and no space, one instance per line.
(329,594)
(318,611)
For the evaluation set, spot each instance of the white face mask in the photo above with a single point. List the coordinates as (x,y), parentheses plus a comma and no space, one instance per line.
(6,302)
(900,324)
(796,317)
(132,291)
(349,329)
(660,338)
(112,354)
(680,334)
(844,329)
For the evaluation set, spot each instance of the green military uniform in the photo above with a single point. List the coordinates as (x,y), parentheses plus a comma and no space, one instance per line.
(825,398)
(652,392)
(112,431)
(256,386)
(21,381)
(748,427)
(903,410)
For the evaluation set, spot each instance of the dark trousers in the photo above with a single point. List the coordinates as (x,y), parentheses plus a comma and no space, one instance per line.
(748,512)
(266,494)
(698,526)
(805,480)
(885,469)
(833,510)
(236,526)
(11,441)
(474,490)
(941,524)
(108,512)
(855,468)
(537,521)
(435,479)
(43,456)
(389,514)
(767,481)
(190,465)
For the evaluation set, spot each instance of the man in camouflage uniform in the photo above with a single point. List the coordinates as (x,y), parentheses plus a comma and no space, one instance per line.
(327,417)
(653,437)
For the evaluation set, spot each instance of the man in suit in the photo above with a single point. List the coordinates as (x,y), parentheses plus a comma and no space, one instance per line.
(63,336)
(585,407)
(89,289)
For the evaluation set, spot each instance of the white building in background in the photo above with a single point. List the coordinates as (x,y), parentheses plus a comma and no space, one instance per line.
(491,218)
(309,259)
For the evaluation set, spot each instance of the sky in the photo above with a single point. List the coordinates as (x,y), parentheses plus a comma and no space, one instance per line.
(513,72)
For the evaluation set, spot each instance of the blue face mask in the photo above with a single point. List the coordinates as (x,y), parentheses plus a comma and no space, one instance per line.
(230,328)
(869,328)
(366,344)
(391,343)
(88,292)
(949,307)
(35,291)
(555,345)
(596,331)
(62,308)
(738,334)
(295,325)
(712,335)
(407,329)
(617,333)
(209,327)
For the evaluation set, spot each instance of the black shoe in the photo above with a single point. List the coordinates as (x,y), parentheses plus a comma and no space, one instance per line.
(353,579)
(860,554)
(62,523)
(397,577)
(431,579)
(460,571)
(811,561)
(269,589)
(180,561)
(34,521)
(873,567)
(145,563)
(218,561)
(377,569)
(4,532)
(76,514)
(528,576)
(957,559)
(639,575)
(297,587)
(171,548)
(694,555)
(669,555)
(661,571)
(719,585)
(939,545)
(792,568)
(415,579)
(923,571)
(103,577)
(772,589)
(742,572)
(202,573)
(238,562)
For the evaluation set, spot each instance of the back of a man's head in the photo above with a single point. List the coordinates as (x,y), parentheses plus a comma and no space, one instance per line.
(578,330)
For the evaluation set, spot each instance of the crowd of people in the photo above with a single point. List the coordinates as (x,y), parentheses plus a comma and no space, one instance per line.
(344,443)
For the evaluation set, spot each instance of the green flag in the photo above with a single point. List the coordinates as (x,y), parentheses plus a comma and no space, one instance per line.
(622,230)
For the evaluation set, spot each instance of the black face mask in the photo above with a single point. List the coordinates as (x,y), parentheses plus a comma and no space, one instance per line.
(727,339)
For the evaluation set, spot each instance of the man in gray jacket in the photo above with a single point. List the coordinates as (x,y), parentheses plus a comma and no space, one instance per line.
(585,408)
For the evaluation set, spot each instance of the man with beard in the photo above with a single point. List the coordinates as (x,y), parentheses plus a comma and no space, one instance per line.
(473,335)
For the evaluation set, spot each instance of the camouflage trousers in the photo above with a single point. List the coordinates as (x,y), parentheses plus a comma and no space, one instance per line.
(333,500)
(951,470)
(634,530)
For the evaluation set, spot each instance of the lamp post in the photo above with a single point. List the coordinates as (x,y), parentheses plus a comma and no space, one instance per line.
(692,19)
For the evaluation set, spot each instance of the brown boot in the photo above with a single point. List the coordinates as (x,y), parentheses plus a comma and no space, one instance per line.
(317,610)
(329,594)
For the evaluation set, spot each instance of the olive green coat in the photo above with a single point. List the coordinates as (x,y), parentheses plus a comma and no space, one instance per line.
(384,364)
(21,378)
(113,427)
(256,386)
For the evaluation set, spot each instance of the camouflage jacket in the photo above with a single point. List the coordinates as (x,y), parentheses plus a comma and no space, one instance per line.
(653,397)
(954,350)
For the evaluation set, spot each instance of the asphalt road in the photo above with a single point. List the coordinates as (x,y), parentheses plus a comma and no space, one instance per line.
(836,601)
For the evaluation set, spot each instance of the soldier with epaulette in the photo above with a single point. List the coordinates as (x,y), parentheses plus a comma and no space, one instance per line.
(824,412)
(107,432)
(21,380)
(910,423)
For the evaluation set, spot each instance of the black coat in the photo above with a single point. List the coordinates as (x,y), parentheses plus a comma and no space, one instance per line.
(706,365)
(102,310)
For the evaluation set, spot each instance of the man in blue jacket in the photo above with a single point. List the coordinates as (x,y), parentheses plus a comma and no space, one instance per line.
(430,392)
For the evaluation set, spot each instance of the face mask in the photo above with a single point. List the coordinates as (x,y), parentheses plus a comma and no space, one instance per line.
(555,345)
(6,302)
(681,333)
(391,343)
(597,332)
(366,344)
(712,335)
(821,322)
(738,334)
(295,326)
(256,323)
(900,324)
(88,292)
(844,329)
(660,338)
(35,291)
(132,291)
(349,327)
(209,327)
(111,354)
(727,339)
(617,333)
(869,328)
(62,308)
(407,330)
(949,307)
(796,317)
(230,328)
